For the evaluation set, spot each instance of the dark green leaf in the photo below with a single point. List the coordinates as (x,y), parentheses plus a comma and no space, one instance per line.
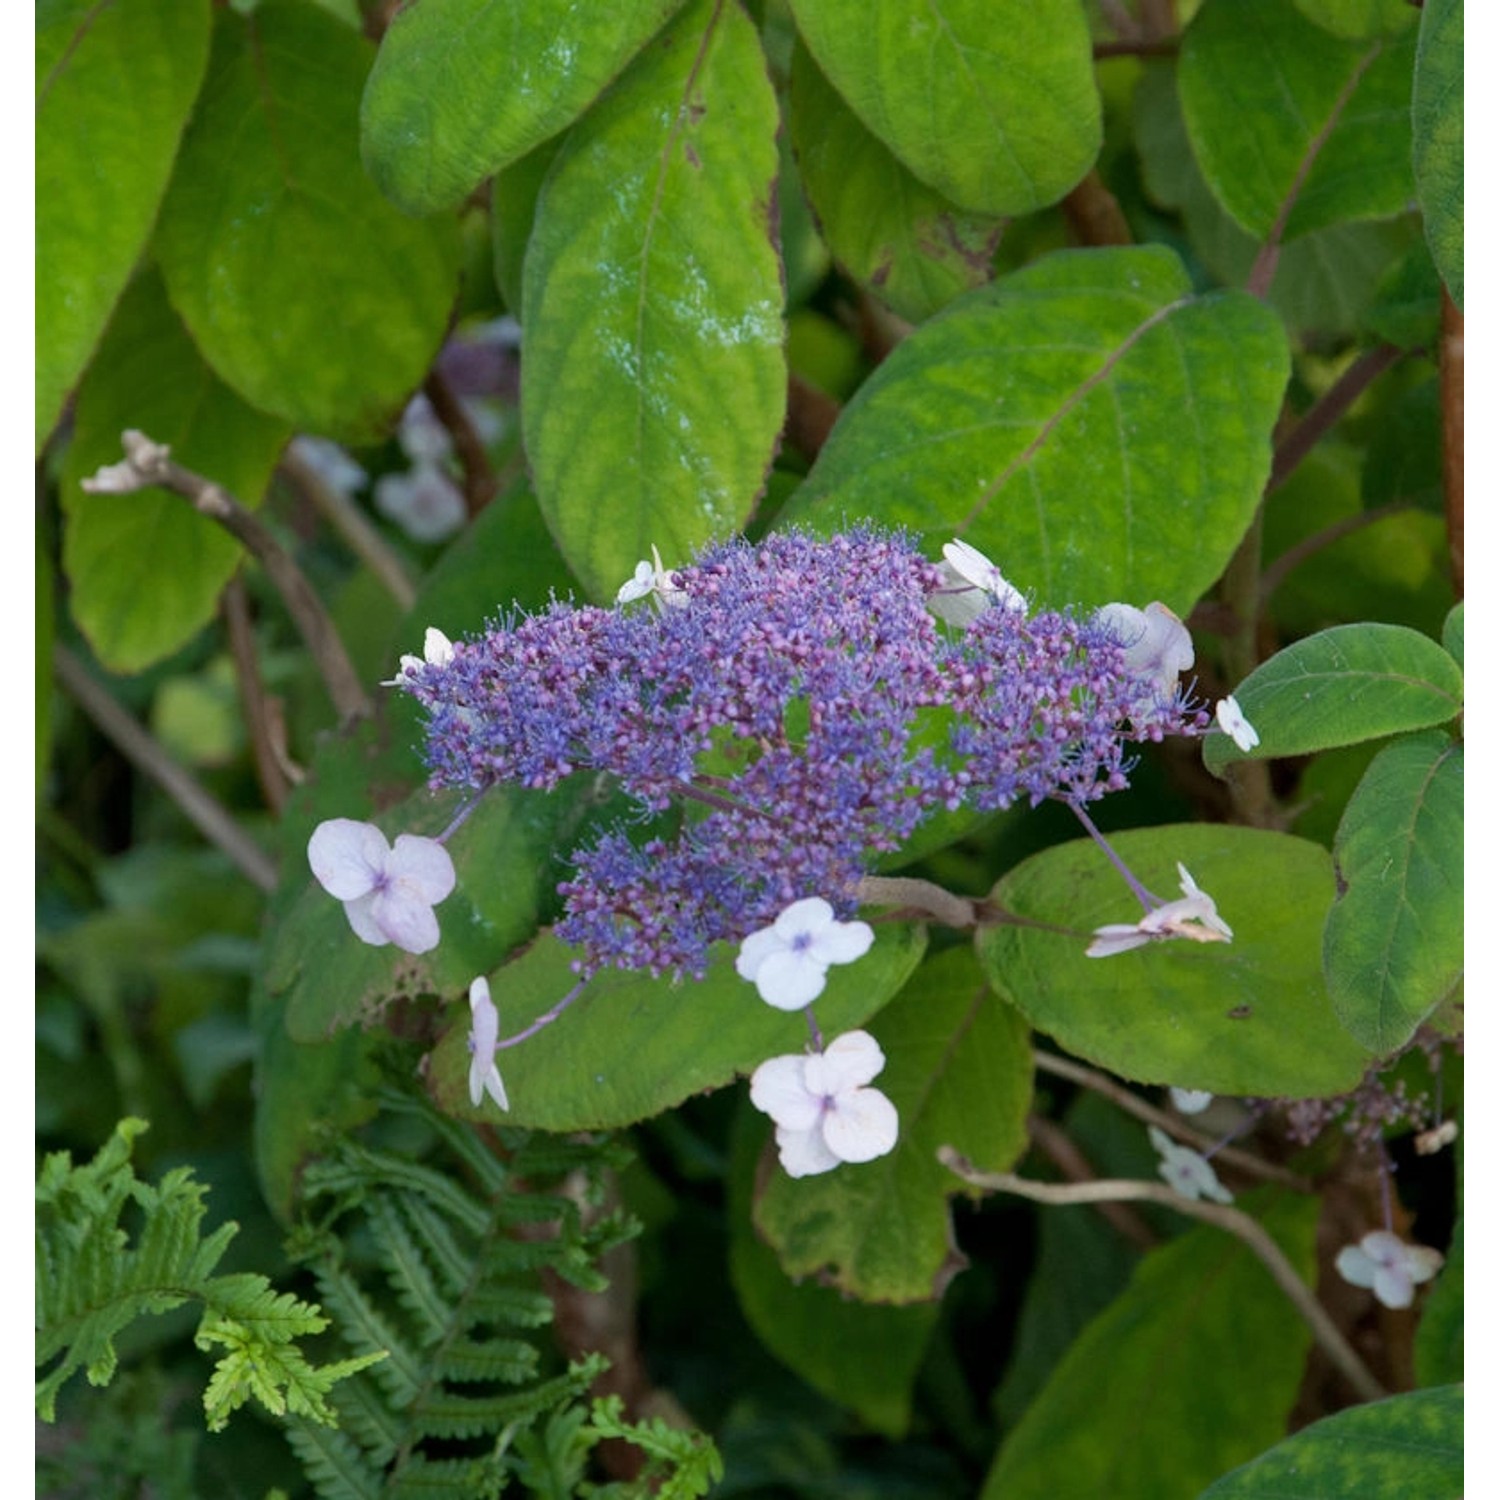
(1437,110)
(890,231)
(631,1046)
(999,118)
(1194,1367)
(1341,686)
(1248,1017)
(1393,947)
(1296,129)
(114,87)
(1027,418)
(146,569)
(1397,1449)
(513,195)
(306,290)
(1453,634)
(652,306)
(958,1070)
(1438,1352)
(462,88)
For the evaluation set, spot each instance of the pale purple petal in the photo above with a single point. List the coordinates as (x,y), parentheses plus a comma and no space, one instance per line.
(1234,723)
(861,1126)
(405,919)
(778,1088)
(846,1064)
(1423,1262)
(347,857)
(485,1027)
(810,915)
(1393,1286)
(755,950)
(361,915)
(1357,1268)
(1115,937)
(790,980)
(841,943)
(490,1083)
(423,866)
(804,1153)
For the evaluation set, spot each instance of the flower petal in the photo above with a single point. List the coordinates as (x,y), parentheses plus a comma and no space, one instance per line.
(406,920)
(1355,1266)
(423,866)
(347,857)
(861,1126)
(789,980)
(804,1153)
(1393,1286)
(841,943)
(361,915)
(755,950)
(1115,937)
(1234,723)
(847,1063)
(808,916)
(778,1088)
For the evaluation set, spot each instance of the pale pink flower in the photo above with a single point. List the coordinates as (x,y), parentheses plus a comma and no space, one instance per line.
(388,894)
(1390,1267)
(788,961)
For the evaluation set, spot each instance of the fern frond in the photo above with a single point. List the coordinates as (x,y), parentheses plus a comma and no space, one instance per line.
(335,1465)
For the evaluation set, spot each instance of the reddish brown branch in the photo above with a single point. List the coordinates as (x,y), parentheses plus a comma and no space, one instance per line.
(479,478)
(1094,214)
(270,768)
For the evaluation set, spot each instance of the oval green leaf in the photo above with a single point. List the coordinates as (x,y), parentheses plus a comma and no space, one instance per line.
(1341,686)
(1359,18)
(999,118)
(958,1070)
(1087,422)
(1248,1017)
(306,290)
(1396,1449)
(114,87)
(1437,110)
(146,570)
(462,88)
(1194,1367)
(1453,634)
(888,229)
(653,382)
(1393,949)
(631,1046)
(1296,129)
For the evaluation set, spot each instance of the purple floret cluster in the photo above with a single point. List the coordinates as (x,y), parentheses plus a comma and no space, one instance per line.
(798,709)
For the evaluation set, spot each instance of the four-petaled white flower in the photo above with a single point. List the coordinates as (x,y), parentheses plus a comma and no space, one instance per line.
(437,651)
(972,583)
(652,578)
(424,502)
(1390,1267)
(1194,917)
(788,961)
(1157,644)
(1190,1101)
(1234,723)
(484,1037)
(823,1111)
(1185,1171)
(388,894)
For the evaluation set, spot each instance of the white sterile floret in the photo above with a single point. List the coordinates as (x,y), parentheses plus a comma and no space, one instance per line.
(788,961)
(1190,1101)
(1185,1171)
(1390,1267)
(388,893)
(651,578)
(1157,644)
(972,583)
(484,1038)
(424,502)
(330,463)
(824,1112)
(1234,723)
(1194,917)
(437,651)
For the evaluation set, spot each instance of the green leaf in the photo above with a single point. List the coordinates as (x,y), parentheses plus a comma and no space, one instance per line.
(1248,1017)
(865,1358)
(891,232)
(1000,119)
(114,87)
(1341,686)
(958,1070)
(307,291)
(1027,419)
(1192,1369)
(1360,18)
(1438,1352)
(1437,112)
(1396,1449)
(513,196)
(1453,634)
(1393,946)
(631,1046)
(146,569)
(652,306)
(1293,128)
(462,88)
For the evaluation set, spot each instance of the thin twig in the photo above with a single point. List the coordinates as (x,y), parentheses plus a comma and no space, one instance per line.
(1250,780)
(1166,46)
(1293,558)
(1132,1103)
(275,785)
(1238,1223)
(1094,213)
(353,526)
(207,814)
(147,463)
(810,416)
(922,895)
(1063,1152)
(479,478)
(1451,390)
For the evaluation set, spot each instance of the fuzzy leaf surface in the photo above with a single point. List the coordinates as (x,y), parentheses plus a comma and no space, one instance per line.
(1437,109)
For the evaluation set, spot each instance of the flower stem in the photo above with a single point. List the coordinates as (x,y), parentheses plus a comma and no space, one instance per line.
(546,1019)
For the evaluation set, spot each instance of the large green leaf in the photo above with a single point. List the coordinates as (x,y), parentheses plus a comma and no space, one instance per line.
(1193,1368)
(462,88)
(1295,128)
(1437,109)
(1001,116)
(1249,1017)
(146,569)
(114,87)
(631,1046)
(887,228)
(865,1358)
(653,378)
(1028,418)
(1408,1446)
(1393,949)
(1360,18)
(307,291)
(958,1070)
(1438,1350)
(1341,686)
